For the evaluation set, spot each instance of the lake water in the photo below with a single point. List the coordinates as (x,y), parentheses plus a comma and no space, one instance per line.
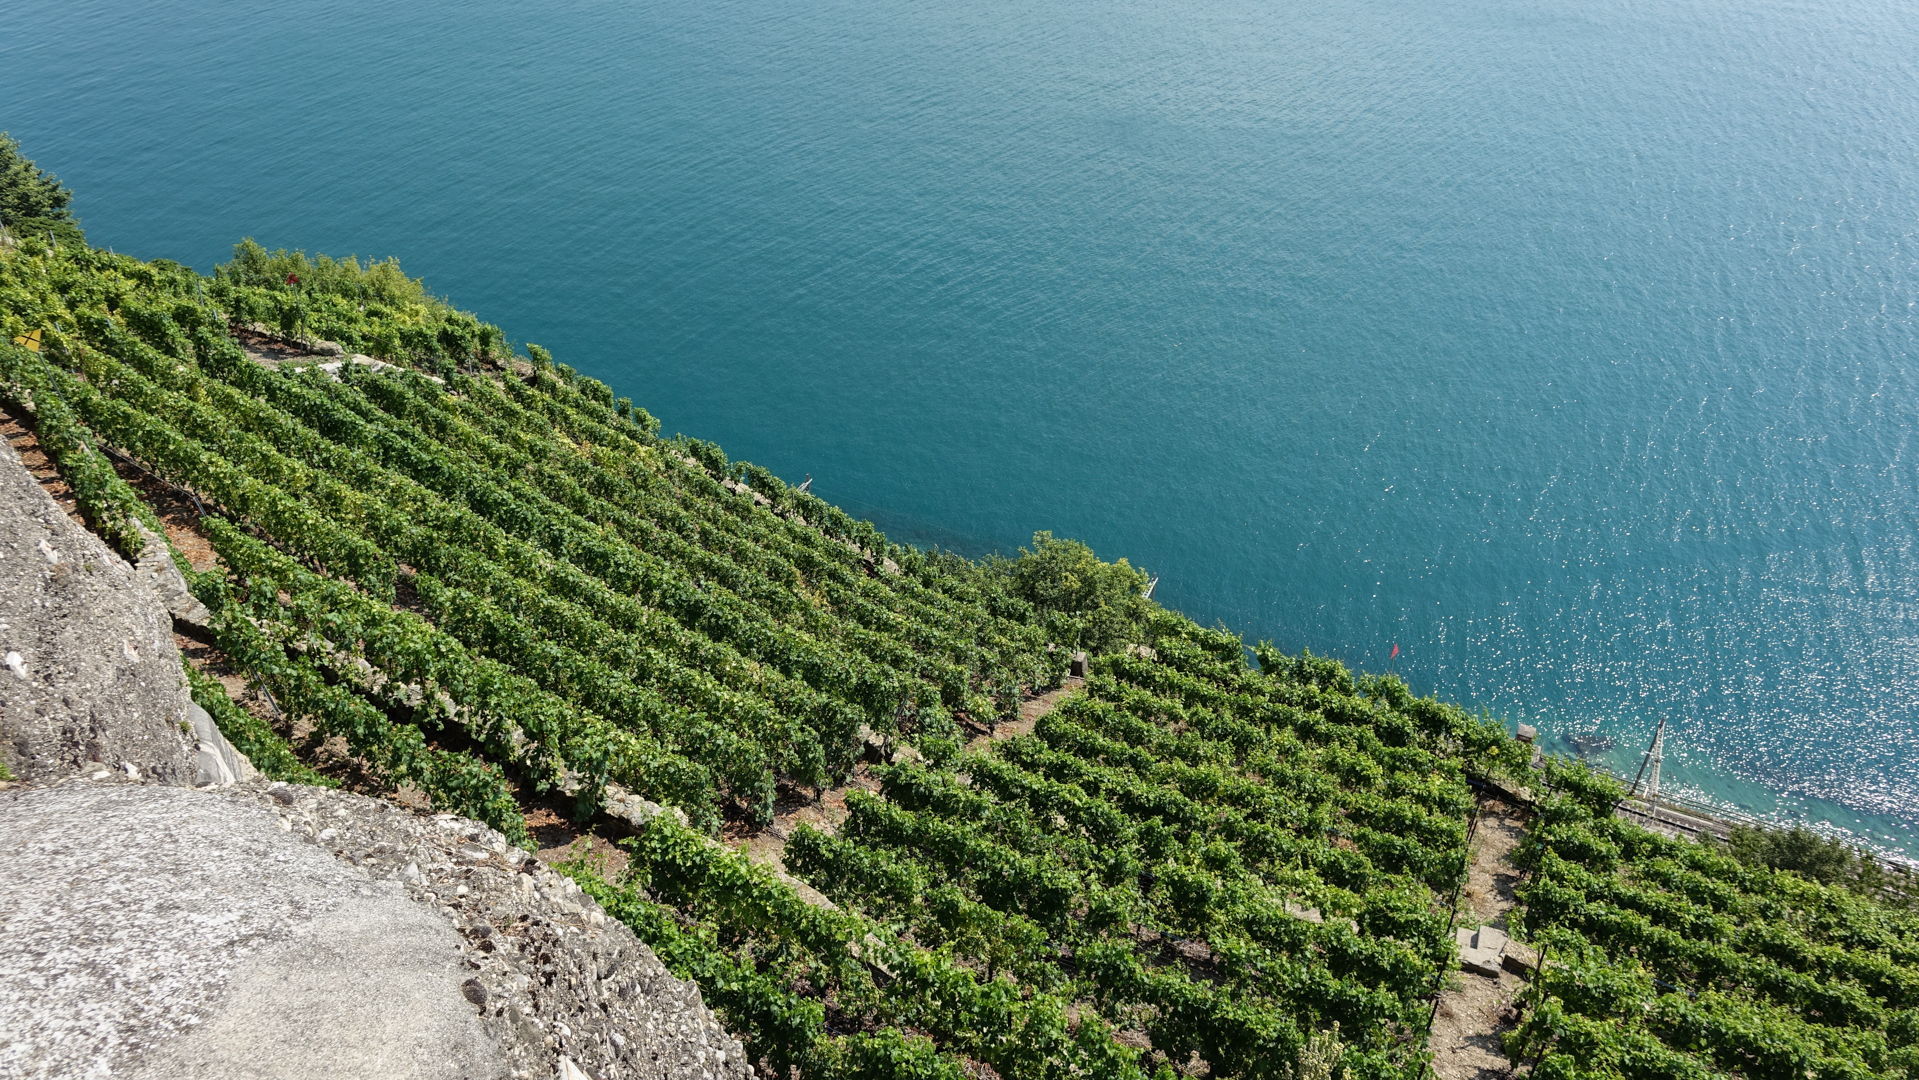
(1569,347)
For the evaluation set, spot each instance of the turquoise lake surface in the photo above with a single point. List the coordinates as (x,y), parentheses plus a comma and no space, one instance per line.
(1569,347)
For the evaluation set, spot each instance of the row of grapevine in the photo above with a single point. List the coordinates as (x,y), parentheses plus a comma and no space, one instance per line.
(557,400)
(1671,958)
(618,490)
(810,988)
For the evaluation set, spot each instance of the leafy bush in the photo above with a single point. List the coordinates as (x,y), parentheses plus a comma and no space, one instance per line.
(889,1055)
(1307,669)
(1595,791)
(376,282)
(1084,602)
(374,308)
(1825,860)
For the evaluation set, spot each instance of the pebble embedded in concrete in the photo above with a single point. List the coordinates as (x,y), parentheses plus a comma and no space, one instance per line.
(263,929)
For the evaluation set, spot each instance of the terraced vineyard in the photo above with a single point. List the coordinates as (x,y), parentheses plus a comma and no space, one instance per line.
(494,582)
(1192,857)
(518,563)
(495,585)
(1669,958)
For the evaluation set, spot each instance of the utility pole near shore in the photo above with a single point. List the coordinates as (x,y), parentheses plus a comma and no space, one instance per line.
(1655,754)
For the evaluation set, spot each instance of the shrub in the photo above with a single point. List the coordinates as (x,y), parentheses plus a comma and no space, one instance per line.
(1084,602)
(1806,853)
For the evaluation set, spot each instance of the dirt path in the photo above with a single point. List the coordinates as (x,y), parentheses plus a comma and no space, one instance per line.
(1030,710)
(1475,1011)
(768,845)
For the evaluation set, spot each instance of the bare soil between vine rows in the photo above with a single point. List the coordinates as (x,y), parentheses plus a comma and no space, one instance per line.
(767,846)
(1475,1011)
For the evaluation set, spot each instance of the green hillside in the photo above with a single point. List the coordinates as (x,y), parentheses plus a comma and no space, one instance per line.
(1675,959)
(499,587)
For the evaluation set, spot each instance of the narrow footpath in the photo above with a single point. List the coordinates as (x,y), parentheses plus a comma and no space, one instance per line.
(768,845)
(1476,1010)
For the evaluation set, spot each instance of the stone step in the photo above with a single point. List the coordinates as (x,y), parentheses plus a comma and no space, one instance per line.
(1480,950)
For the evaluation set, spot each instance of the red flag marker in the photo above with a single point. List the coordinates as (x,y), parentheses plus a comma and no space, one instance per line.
(1395,650)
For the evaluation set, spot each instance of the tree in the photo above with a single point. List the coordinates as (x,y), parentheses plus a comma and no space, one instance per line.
(1827,861)
(1085,602)
(34,202)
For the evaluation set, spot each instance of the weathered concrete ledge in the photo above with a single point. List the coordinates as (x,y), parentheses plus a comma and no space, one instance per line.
(92,677)
(293,933)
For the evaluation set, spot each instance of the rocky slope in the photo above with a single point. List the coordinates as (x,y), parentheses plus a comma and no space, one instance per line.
(92,675)
(161,920)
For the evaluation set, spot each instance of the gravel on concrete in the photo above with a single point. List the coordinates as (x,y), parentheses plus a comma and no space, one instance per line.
(160,931)
(286,932)
(370,988)
(555,977)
